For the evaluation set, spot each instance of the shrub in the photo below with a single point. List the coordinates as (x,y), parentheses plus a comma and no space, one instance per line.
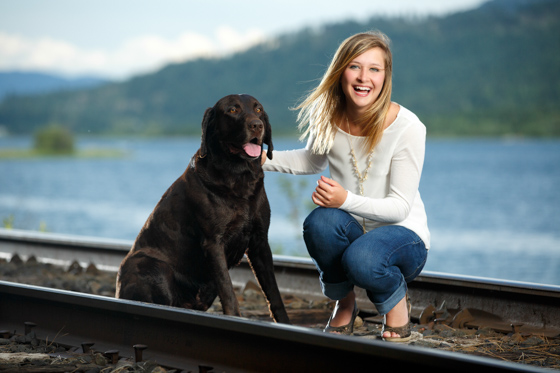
(54,139)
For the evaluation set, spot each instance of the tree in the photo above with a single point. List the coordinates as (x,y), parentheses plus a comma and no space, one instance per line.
(54,139)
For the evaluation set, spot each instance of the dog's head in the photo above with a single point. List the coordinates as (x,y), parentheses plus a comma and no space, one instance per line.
(236,126)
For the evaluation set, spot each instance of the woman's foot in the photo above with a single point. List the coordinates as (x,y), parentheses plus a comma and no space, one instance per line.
(342,313)
(396,318)
(343,316)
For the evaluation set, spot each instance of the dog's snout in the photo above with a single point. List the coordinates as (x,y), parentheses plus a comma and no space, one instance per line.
(256,124)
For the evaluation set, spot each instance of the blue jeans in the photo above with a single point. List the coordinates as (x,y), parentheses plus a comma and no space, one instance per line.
(382,261)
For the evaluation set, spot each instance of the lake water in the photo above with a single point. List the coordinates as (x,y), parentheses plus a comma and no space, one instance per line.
(493,205)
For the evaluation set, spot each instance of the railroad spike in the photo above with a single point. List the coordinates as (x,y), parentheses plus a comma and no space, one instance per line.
(86,347)
(515,327)
(6,334)
(113,355)
(138,352)
(29,326)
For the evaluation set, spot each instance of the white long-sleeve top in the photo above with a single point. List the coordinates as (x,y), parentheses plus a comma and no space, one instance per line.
(391,194)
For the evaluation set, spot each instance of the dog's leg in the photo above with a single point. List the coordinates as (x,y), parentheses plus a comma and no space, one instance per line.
(219,267)
(262,264)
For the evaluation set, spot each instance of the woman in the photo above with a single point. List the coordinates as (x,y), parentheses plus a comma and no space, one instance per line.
(370,229)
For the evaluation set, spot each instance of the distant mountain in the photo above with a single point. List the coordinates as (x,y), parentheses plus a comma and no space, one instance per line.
(30,83)
(490,71)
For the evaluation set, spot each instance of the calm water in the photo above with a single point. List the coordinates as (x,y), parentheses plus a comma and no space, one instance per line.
(493,205)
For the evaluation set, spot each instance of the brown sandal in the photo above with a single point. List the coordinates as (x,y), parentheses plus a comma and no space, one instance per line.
(405,331)
(347,329)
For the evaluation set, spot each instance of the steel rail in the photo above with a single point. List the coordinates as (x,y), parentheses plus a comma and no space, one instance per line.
(533,306)
(194,341)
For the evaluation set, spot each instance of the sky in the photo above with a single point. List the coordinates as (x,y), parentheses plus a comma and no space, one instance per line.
(117,39)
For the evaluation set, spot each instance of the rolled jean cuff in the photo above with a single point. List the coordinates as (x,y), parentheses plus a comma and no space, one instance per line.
(395,298)
(337,291)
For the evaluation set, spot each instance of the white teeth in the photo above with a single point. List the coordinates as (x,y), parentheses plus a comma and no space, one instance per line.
(362,88)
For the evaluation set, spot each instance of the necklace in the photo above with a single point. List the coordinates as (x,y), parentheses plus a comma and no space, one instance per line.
(361,178)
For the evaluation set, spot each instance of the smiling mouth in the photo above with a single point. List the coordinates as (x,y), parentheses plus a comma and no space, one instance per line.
(361,90)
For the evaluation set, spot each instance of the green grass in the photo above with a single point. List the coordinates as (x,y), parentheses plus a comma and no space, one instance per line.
(85,153)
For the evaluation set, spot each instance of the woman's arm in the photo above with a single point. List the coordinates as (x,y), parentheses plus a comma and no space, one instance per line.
(297,162)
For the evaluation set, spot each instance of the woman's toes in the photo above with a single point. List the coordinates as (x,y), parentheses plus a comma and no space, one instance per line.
(391,335)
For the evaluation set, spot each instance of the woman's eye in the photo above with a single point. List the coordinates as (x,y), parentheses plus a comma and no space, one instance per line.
(353,67)
(374,69)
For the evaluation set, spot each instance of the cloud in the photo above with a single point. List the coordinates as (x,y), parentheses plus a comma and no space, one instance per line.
(21,53)
(137,55)
(231,40)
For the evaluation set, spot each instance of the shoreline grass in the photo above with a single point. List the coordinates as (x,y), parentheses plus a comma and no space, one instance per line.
(6,154)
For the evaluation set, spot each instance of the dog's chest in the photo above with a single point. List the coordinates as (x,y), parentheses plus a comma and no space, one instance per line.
(239,218)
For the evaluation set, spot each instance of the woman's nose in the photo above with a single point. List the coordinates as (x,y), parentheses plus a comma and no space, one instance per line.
(362,76)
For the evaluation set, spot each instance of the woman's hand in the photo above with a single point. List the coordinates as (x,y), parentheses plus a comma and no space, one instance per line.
(263,157)
(329,193)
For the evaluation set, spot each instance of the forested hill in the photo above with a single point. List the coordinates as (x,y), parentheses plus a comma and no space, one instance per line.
(19,82)
(494,70)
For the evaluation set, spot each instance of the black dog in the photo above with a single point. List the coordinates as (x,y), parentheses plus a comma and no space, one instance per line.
(211,216)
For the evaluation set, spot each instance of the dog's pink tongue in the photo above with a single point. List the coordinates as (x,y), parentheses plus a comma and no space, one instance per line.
(252,150)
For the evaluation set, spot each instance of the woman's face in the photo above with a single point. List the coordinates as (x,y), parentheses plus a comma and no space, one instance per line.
(363,80)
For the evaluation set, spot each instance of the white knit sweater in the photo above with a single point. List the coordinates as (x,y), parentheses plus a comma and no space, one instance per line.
(391,193)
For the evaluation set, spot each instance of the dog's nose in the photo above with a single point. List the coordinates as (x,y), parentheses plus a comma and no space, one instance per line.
(256,124)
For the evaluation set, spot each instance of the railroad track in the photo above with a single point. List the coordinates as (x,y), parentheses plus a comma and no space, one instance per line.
(194,341)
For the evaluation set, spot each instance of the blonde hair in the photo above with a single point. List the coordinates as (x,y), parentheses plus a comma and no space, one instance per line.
(325,106)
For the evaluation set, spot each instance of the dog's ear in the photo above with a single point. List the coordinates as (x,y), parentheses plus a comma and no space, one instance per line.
(267,135)
(206,123)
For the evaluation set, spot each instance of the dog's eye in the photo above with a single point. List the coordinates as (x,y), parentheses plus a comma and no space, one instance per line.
(258,110)
(233,110)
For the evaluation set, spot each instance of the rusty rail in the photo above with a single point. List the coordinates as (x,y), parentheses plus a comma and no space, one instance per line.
(192,341)
(437,298)
(531,308)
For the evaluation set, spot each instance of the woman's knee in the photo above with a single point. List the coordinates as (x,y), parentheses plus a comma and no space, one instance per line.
(327,221)
(319,230)
(319,218)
